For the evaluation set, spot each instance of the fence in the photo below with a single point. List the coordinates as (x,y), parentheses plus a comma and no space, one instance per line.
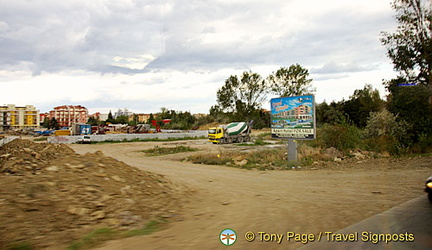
(8,139)
(127,137)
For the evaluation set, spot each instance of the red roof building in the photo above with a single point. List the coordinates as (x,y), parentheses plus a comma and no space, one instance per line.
(68,114)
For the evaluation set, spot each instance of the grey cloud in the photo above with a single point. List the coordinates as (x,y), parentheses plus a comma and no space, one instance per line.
(66,36)
(87,35)
(341,67)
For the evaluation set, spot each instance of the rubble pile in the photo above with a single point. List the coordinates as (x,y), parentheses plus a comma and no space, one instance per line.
(50,196)
(21,157)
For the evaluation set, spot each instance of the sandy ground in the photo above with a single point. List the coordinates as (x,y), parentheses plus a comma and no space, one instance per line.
(275,202)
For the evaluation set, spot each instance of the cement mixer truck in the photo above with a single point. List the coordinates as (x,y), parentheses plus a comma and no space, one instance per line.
(233,132)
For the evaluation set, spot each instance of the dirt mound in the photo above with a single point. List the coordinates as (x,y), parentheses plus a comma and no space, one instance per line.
(51,196)
(209,125)
(20,157)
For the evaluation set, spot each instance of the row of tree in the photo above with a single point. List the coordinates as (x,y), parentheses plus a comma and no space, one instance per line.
(241,97)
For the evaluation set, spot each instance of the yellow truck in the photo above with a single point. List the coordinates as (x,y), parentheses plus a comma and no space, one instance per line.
(231,133)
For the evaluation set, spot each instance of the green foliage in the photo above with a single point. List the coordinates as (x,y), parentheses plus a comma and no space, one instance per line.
(384,144)
(355,110)
(151,118)
(93,238)
(258,141)
(290,81)
(93,121)
(19,246)
(179,119)
(242,95)
(218,115)
(240,98)
(424,145)
(122,119)
(384,133)
(149,228)
(413,105)
(110,118)
(202,120)
(53,124)
(46,122)
(266,159)
(361,104)
(385,123)
(156,151)
(410,50)
(41,139)
(211,159)
(331,114)
(410,47)
(103,234)
(261,160)
(134,121)
(340,136)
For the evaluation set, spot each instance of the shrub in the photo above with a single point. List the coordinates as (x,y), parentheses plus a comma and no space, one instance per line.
(384,133)
(424,145)
(340,136)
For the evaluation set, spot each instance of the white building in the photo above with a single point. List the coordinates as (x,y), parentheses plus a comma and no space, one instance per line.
(120,112)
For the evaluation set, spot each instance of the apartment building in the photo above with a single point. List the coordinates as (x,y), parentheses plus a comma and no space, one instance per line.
(141,118)
(124,112)
(66,115)
(18,117)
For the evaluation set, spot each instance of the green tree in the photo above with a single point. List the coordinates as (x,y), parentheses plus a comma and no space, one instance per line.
(242,95)
(410,47)
(46,122)
(384,133)
(361,104)
(181,120)
(93,121)
(411,104)
(151,118)
(330,113)
(134,120)
(110,118)
(53,124)
(291,81)
(122,119)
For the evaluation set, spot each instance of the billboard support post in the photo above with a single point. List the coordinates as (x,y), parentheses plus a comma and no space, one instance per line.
(292,152)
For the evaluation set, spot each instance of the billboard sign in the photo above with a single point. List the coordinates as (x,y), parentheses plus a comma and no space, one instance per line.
(293,117)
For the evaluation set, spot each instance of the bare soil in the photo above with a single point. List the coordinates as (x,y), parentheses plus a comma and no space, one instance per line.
(328,198)
(50,196)
(55,199)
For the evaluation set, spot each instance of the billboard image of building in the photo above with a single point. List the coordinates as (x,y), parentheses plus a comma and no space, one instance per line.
(293,117)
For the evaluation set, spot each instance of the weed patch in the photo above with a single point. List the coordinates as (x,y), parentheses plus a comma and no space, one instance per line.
(103,234)
(149,228)
(41,139)
(19,246)
(167,150)
(261,160)
(93,238)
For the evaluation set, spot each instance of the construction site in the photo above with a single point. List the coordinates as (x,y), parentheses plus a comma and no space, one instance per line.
(53,196)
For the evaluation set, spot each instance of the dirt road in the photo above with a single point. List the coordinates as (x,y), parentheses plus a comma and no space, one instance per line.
(305,201)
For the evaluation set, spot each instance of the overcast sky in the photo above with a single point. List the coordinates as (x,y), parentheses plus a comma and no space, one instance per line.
(147,54)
